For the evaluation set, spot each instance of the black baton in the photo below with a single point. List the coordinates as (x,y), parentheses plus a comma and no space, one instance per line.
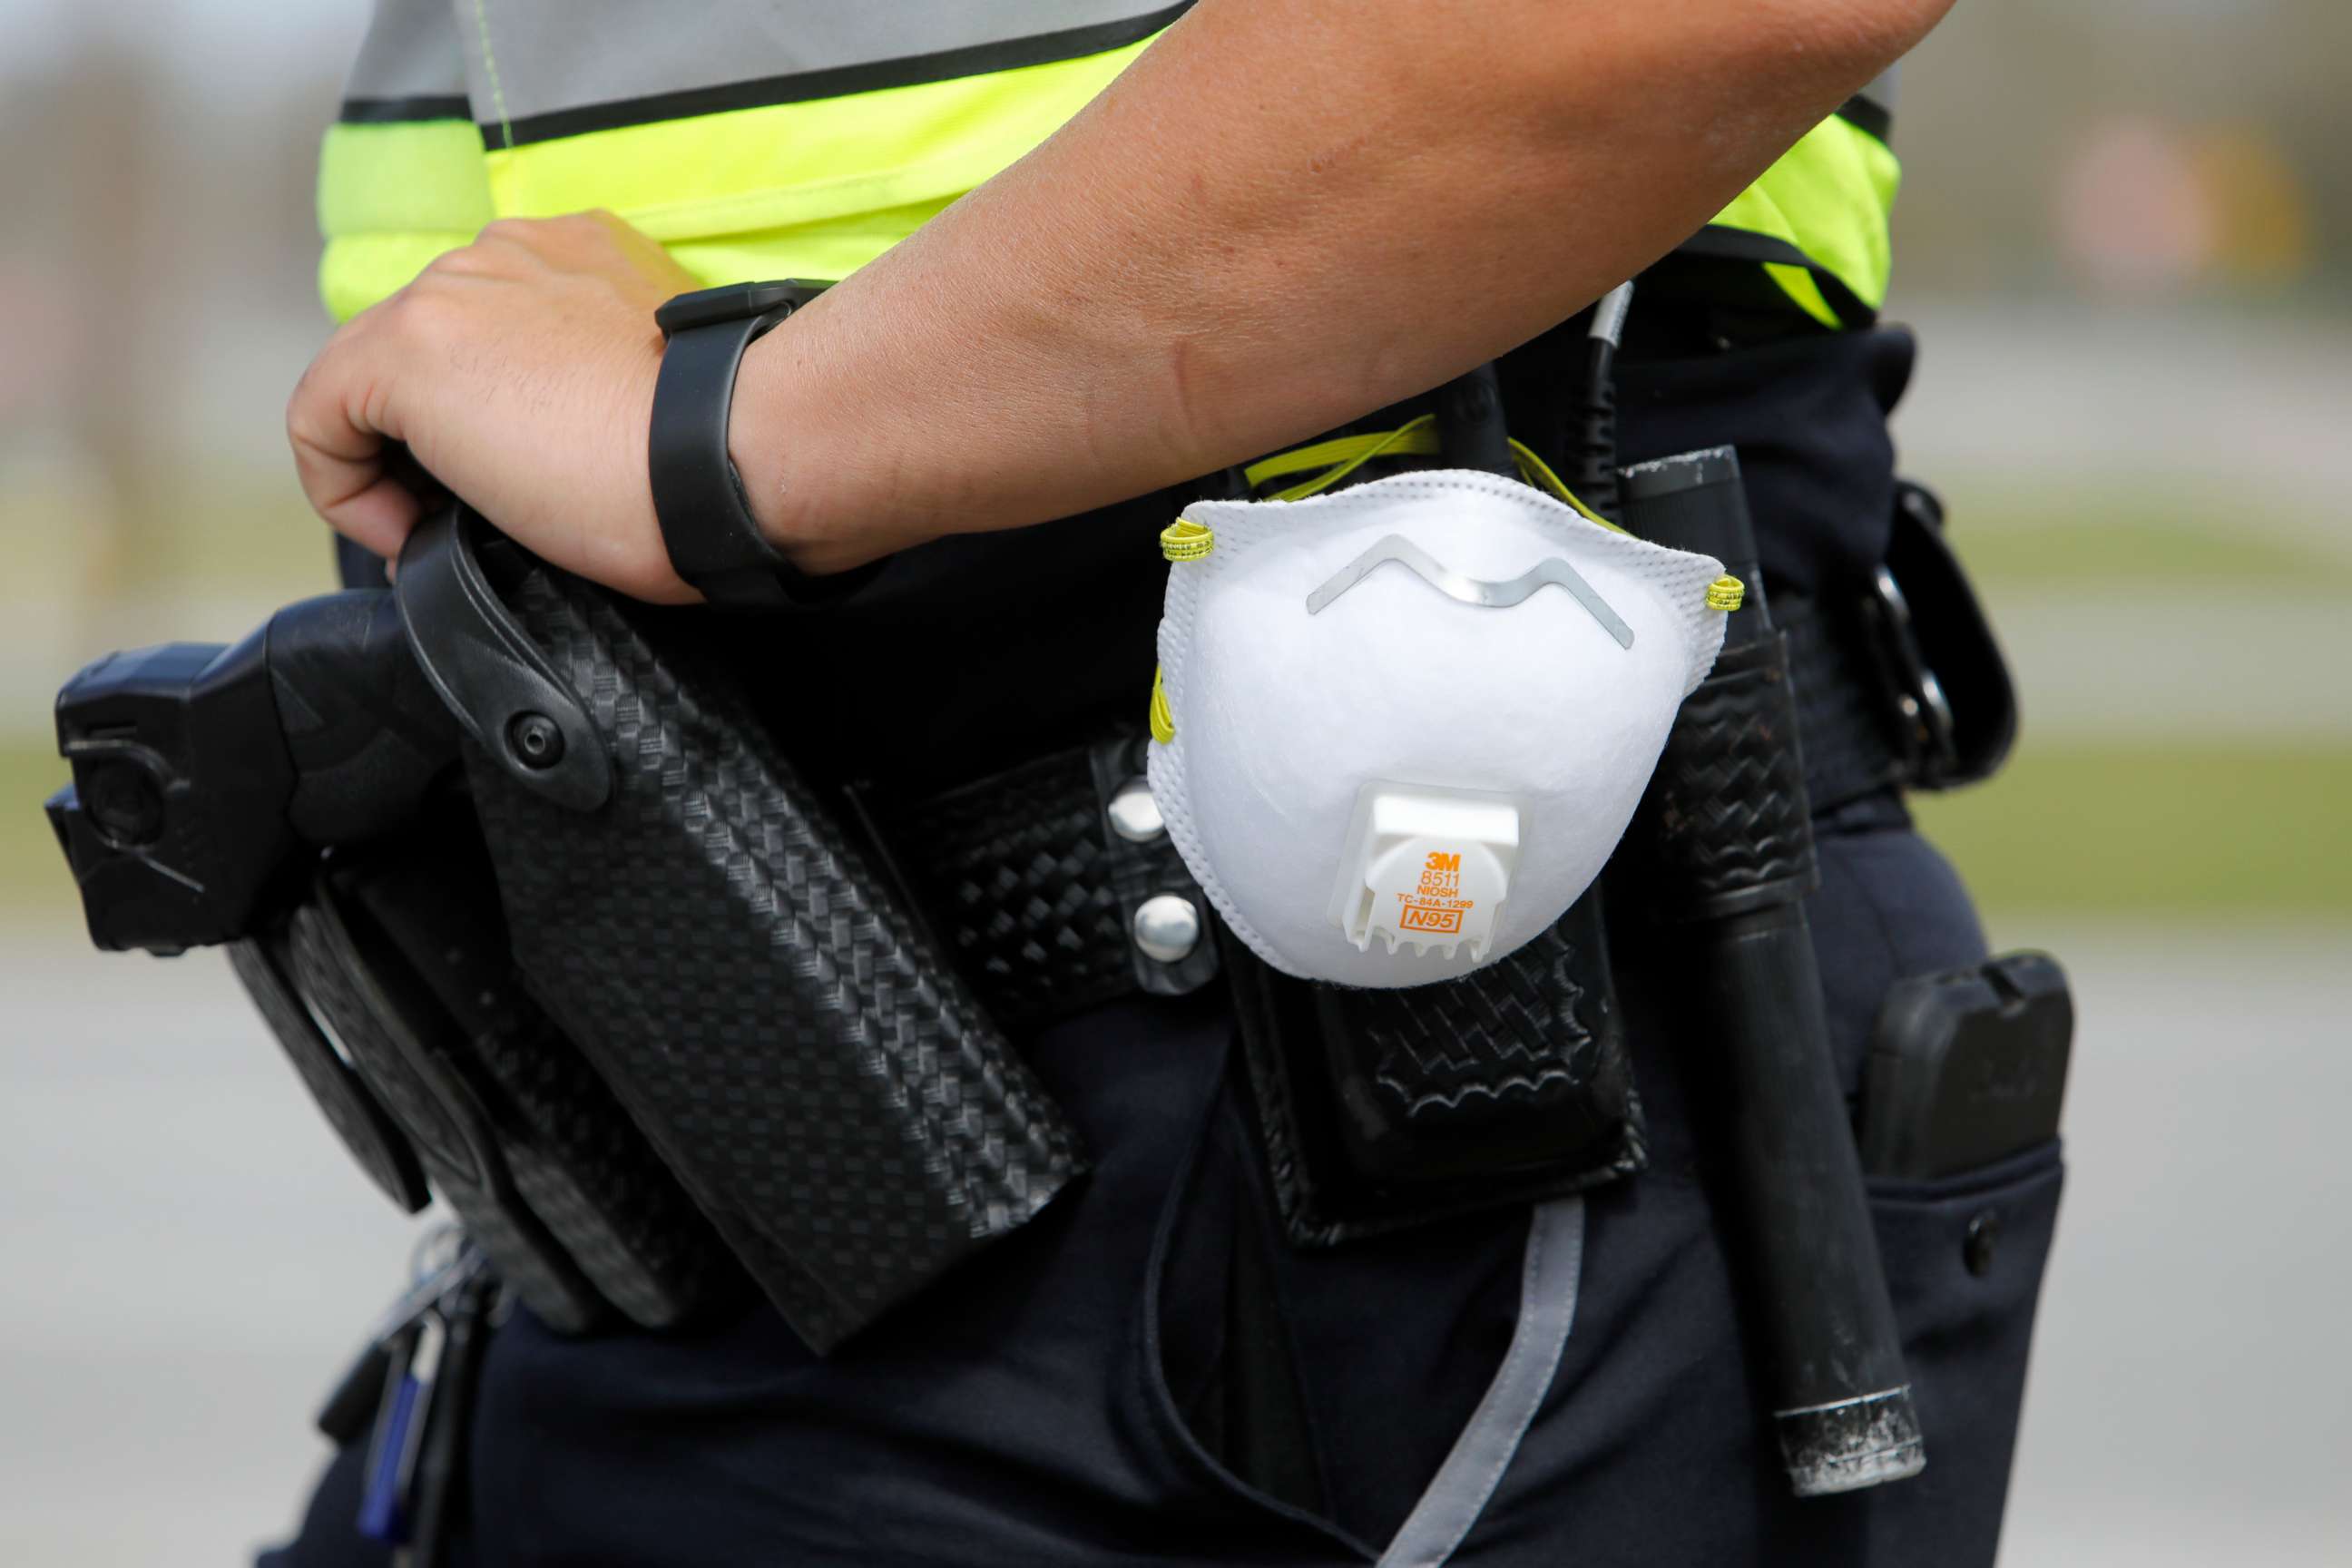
(1732,830)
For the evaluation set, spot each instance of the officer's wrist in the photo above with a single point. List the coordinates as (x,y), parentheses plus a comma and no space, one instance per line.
(798,470)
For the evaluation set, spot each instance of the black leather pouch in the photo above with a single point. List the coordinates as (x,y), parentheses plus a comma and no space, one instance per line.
(1934,632)
(1383,1109)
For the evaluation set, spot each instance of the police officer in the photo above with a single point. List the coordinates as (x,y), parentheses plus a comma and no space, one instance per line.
(1093,251)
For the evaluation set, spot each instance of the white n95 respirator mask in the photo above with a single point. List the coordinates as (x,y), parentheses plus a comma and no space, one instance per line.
(1399,730)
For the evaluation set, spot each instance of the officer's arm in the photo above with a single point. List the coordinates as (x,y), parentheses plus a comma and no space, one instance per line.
(1285,212)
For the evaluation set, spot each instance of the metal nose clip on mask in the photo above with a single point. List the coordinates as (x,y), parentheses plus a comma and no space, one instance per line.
(1400,729)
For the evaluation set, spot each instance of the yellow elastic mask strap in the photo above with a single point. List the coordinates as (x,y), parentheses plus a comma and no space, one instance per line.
(1185,539)
(1726,594)
(1537,472)
(1163,722)
(1342,456)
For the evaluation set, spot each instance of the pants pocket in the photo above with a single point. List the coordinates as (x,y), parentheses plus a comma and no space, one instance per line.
(1963,1258)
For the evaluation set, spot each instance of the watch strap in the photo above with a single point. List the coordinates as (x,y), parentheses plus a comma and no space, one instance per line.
(714,542)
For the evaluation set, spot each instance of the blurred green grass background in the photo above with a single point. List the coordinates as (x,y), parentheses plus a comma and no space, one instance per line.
(2155,830)
(32,873)
(2112,534)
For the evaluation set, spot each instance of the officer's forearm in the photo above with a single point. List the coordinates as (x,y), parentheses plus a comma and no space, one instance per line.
(1284,214)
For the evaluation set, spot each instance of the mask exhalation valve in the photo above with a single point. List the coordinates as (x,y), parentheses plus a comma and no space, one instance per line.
(1427,866)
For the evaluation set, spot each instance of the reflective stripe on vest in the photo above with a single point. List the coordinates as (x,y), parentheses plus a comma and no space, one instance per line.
(801,139)
(1818,222)
(401,177)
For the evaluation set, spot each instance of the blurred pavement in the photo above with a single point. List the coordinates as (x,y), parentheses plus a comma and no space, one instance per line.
(2191,1399)
(190,1256)
(190,1261)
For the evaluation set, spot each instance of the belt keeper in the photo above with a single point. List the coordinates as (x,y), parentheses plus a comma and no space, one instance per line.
(1166,917)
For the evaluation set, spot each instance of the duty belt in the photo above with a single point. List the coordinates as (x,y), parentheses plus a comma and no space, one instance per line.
(1899,683)
(709,983)
(1054,884)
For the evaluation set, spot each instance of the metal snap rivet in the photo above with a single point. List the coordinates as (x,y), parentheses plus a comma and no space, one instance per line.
(536,740)
(1166,928)
(1984,1230)
(1134,815)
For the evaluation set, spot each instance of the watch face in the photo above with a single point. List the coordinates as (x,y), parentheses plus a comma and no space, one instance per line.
(733,302)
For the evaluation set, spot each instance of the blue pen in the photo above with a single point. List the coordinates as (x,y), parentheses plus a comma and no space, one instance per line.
(390,1466)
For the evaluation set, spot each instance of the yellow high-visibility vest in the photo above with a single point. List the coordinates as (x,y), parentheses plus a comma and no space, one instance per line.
(802,138)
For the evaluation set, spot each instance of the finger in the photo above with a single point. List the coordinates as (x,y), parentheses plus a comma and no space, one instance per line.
(359,498)
(339,444)
(378,518)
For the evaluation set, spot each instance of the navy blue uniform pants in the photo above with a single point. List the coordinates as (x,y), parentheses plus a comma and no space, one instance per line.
(1033,1409)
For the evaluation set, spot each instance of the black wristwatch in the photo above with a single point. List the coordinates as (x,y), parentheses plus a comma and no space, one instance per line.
(714,543)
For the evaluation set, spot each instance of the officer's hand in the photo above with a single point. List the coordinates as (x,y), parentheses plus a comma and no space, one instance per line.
(520,372)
